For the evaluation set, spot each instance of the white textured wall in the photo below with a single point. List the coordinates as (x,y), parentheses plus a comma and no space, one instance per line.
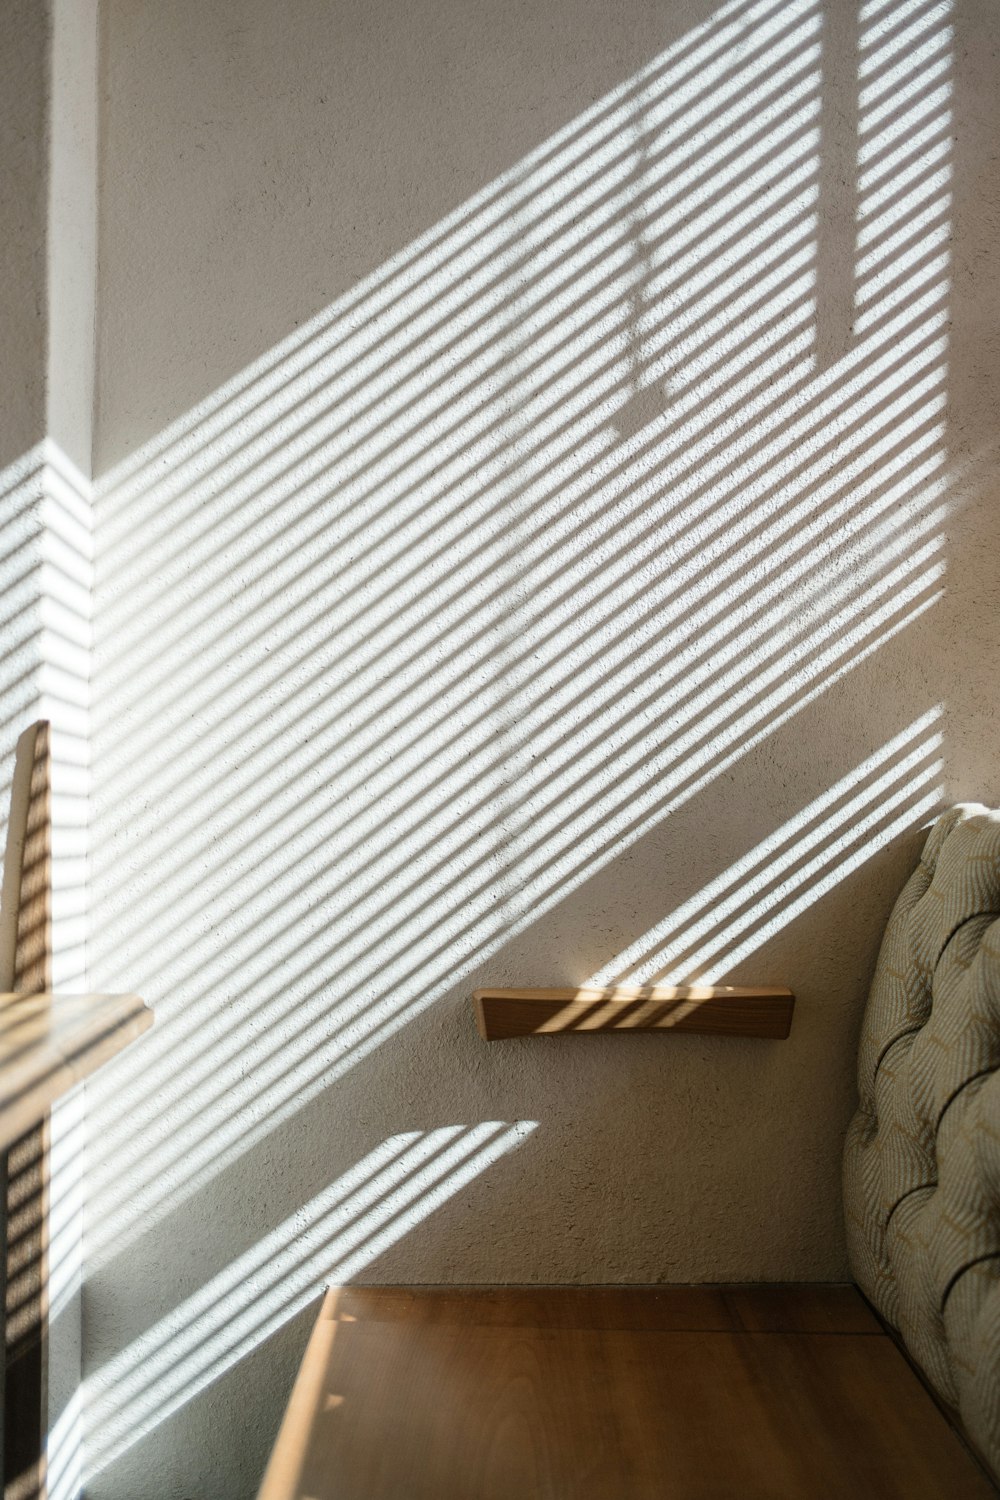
(72,235)
(66,587)
(545,532)
(23,188)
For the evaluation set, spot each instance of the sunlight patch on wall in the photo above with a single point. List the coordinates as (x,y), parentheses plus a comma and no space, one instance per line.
(64,1470)
(443,604)
(46,578)
(329,1240)
(896,788)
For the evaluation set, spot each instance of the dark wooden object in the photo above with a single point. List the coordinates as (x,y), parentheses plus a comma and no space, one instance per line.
(49,1043)
(27,1176)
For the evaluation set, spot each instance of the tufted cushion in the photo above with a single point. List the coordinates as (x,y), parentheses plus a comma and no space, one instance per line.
(922,1158)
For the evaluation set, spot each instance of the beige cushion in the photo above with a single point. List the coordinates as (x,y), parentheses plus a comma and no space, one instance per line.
(922,1159)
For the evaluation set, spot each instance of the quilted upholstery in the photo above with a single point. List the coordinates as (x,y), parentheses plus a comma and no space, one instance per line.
(922,1158)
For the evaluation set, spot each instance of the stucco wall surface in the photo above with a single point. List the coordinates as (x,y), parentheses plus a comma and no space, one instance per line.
(24,139)
(545,533)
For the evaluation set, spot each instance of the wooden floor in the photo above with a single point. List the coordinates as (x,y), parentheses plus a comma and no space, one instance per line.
(744,1393)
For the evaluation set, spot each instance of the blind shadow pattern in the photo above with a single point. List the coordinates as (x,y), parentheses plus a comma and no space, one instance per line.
(46,555)
(446,601)
(332,1237)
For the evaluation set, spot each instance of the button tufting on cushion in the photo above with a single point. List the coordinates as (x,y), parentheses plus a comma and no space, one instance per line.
(922,1157)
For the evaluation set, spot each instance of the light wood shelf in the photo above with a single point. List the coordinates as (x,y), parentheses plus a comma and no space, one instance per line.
(48,1043)
(712,1010)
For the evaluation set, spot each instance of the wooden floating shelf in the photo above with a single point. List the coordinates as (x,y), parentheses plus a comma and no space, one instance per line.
(711,1010)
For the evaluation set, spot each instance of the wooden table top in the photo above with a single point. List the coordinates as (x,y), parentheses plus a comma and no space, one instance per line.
(686,1393)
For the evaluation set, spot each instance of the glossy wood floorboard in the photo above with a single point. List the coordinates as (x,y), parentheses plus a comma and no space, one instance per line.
(739,1393)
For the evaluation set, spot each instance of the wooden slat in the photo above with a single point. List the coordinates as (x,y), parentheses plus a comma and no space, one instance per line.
(27,1168)
(49,1043)
(434,1392)
(33,954)
(712,1010)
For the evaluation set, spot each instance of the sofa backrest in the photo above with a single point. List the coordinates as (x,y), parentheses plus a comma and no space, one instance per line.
(922,1158)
